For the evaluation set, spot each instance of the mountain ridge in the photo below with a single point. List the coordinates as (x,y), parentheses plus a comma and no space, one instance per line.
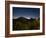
(24,18)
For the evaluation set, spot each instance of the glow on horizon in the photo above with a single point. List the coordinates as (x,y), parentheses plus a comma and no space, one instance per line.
(18,17)
(25,17)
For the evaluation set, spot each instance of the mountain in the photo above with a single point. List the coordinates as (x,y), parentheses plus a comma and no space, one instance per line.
(21,16)
(21,19)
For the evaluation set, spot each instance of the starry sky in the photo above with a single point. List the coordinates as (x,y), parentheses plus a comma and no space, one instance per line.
(26,12)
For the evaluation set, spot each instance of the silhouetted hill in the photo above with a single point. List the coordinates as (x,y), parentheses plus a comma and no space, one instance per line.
(21,18)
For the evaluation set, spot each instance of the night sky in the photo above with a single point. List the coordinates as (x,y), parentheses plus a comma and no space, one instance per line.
(26,12)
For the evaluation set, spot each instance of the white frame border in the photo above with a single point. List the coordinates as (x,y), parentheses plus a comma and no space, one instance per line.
(25,31)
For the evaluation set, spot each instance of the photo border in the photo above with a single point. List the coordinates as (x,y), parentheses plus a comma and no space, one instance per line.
(25,31)
(7,18)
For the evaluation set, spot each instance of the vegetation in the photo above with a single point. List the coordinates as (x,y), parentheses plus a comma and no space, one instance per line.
(22,23)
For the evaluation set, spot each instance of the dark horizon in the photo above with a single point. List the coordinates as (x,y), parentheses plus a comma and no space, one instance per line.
(26,12)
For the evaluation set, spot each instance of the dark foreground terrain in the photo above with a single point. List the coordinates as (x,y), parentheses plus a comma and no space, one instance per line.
(22,23)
